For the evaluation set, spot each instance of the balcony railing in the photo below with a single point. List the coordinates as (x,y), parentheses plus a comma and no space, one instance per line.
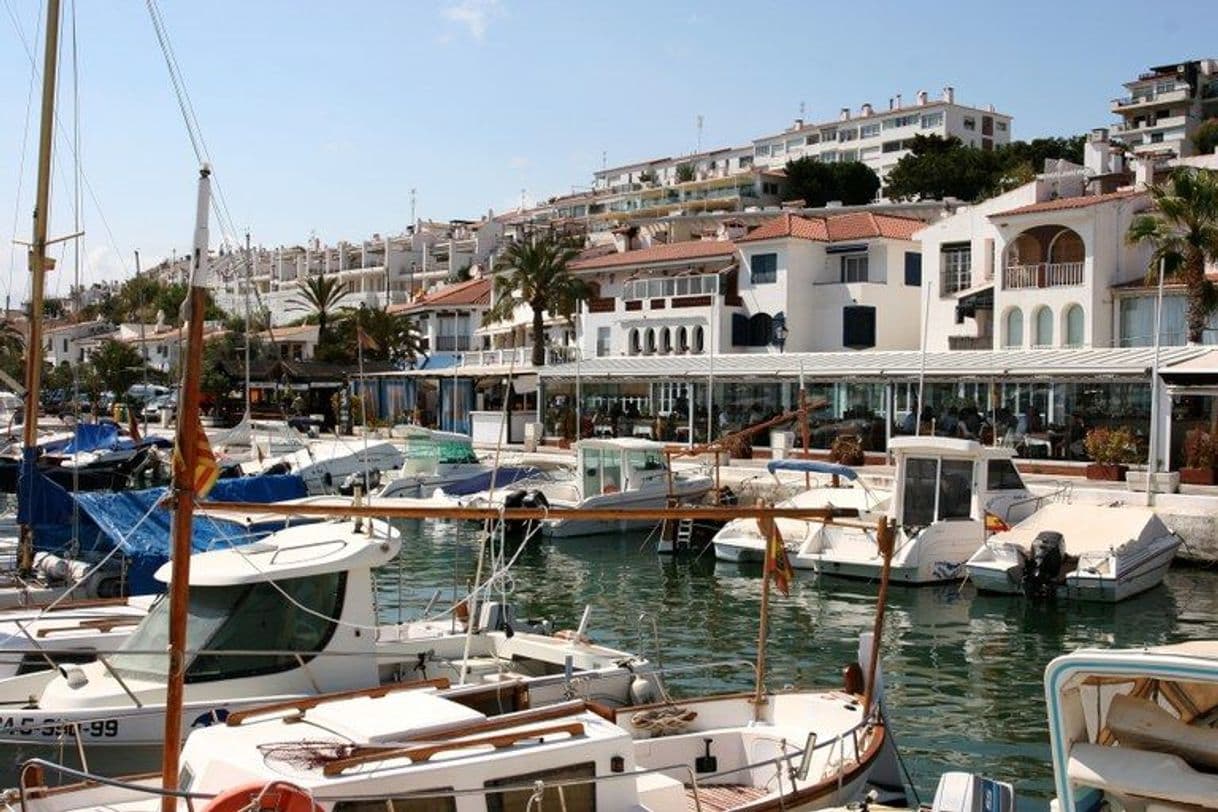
(520,357)
(970,342)
(1043,275)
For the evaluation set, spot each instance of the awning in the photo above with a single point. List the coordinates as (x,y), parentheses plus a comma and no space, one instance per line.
(967,306)
(1192,376)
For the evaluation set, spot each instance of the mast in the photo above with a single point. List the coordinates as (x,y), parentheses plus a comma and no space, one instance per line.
(249,280)
(38,267)
(184,496)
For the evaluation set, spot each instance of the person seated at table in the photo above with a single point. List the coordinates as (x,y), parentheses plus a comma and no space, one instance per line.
(970,423)
(949,423)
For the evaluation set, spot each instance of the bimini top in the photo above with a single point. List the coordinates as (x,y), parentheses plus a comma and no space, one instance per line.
(813,467)
(295,552)
(953,446)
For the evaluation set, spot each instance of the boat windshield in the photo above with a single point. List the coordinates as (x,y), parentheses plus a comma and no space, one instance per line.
(278,618)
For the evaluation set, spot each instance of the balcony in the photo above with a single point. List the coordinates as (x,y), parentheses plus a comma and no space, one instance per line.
(1178,94)
(1043,275)
(970,342)
(518,357)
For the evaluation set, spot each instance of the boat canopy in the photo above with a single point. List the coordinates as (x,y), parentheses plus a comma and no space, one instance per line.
(507,475)
(812,467)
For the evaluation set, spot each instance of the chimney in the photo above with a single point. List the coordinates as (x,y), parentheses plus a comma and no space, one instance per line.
(845,116)
(921,97)
(898,101)
(949,94)
(865,110)
(891,103)
(798,125)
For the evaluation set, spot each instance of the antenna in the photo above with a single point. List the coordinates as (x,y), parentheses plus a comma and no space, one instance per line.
(802,108)
(412,202)
(699,132)
(604,159)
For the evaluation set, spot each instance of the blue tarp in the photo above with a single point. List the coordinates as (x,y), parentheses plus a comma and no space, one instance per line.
(94,436)
(481,482)
(813,467)
(110,519)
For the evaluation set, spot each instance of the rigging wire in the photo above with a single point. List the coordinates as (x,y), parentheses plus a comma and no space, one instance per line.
(25,137)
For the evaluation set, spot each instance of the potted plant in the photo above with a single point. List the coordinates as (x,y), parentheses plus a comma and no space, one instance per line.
(847,449)
(1110,451)
(1200,454)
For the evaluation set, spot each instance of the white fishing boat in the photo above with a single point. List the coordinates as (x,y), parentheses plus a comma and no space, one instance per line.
(43,637)
(432,459)
(290,616)
(1084,552)
(844,493)
(609,473)
(331,464)
(1134,729)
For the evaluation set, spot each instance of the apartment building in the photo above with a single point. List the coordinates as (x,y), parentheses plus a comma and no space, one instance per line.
(881,137)
(1165,106)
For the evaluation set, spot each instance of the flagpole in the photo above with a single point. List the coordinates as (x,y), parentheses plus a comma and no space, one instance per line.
(183,489)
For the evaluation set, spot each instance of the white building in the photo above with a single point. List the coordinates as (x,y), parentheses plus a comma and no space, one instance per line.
(880,138)
(1037,267)
(72,343)
(295,343)
(1164,107)
(161,344)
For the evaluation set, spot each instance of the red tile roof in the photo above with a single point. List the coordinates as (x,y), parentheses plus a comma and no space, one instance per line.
(837,227)
(1064,203)
(675,252)
(471,293)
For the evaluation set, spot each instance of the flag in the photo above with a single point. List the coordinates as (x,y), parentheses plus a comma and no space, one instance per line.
(134,428)
(207,470)
(777,564)
(994,524)
(365,341)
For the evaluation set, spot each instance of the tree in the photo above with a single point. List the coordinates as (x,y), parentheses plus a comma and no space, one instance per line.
(388,336)
(685,173)
(1205,138)
(816,183)
(1183,230)
(320,295)
(537,275)
(117,365)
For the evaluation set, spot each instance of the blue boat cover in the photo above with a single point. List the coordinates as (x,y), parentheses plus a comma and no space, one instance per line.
(812,467)
(94,436)
(481,482)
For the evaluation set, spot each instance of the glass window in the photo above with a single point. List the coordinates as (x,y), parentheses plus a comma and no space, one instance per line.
(970,123)
(1014,329)
(932,120)
(869,130)
(763,269)
(847,135)
(592,471)
(794,144)
(1001,475)
(651,341)
(854,268)
(1074,326)
(699,340)
(645,460)
(1044,328)
(918,498)
(763,150)
(571,796)
(957,261)
(602,341)
(814,138)
(956,489)
(611,471)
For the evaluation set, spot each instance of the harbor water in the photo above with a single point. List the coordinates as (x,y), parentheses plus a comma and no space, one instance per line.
(962,671)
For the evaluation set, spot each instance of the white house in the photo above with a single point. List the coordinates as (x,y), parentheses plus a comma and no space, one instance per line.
(296,343)
(71,343)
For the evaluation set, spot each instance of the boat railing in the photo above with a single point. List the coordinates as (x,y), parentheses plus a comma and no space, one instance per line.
(1063,492)
(35,769)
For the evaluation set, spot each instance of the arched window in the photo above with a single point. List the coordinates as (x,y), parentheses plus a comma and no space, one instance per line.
(1044,328)
(682,340)
(635,347)
(761,330)
(665,341)
(1014,328)
(1074,326)
(699,340)
(650,348)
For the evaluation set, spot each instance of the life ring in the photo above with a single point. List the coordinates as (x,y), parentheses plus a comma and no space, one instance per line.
(275,796)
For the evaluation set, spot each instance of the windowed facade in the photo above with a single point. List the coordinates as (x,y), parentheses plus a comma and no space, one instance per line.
(1012,334)
(1137,328)
(957,262)
(1043,336)
(854,268)
(932,120)
(1075,336)
(869,130)
(763,269)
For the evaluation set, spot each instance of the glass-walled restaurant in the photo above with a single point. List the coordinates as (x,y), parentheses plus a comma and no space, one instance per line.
(1041,417)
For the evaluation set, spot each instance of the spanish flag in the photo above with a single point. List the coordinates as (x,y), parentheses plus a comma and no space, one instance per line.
(777,564)
(207,470)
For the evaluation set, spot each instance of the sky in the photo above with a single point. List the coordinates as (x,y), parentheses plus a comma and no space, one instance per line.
(321,117)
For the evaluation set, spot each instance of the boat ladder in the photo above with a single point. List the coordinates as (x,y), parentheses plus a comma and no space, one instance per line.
(685,535)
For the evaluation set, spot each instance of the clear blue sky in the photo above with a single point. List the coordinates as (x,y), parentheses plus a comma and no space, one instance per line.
(321,116)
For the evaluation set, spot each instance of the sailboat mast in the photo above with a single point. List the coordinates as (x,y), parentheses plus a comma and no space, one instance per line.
(184,496)
(249,279)
(38,266)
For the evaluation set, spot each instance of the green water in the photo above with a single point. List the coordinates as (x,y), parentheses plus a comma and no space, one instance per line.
(962,671)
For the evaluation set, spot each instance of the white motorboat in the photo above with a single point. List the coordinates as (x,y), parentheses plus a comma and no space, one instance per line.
(54,578)
(419,746)
(290,616)
(625,472)
(42,637)
(946,493)
(327,465)
(845,494)
(1134,729)
(432,459)
(1087,552)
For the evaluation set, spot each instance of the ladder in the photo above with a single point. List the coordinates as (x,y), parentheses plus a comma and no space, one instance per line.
(685,535)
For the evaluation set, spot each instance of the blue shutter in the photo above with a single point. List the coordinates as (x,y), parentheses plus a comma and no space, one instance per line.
(913,269)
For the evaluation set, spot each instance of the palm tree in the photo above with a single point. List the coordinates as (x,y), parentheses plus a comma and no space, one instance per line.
(1183,230)
(387,336)
(537,275)
(320,295)
(12,338)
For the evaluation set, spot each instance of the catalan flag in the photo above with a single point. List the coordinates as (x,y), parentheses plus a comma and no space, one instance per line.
(366,341)
(207,470)
(777,564)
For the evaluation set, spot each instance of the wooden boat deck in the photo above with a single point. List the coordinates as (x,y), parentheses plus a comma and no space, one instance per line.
(722,797)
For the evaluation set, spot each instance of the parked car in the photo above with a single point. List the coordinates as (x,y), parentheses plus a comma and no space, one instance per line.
(164,404)
(141,394)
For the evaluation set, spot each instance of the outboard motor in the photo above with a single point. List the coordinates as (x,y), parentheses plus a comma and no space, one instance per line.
(523,499)
(367,481)
(964,792)
(1042,571)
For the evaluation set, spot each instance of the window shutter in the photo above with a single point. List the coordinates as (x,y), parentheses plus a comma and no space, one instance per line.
(740,330)
(858,327)
(913,269)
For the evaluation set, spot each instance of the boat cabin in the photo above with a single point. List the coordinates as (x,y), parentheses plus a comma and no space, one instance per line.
(948,479)
(424,450)
(622,464)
